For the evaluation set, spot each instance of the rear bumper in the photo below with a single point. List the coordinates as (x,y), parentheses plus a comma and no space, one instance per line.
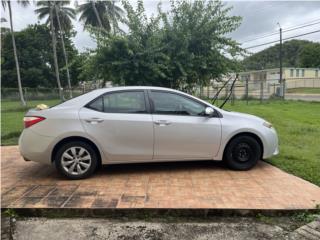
(35,147)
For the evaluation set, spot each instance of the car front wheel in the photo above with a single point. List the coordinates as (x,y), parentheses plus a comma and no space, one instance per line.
(242,153)
(76,160)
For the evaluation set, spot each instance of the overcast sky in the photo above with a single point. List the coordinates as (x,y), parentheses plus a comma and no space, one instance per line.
(259,18)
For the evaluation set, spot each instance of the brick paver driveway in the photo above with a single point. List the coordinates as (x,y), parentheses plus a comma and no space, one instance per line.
(163,185)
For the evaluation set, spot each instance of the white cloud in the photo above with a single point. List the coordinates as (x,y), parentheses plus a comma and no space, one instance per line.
(259,18)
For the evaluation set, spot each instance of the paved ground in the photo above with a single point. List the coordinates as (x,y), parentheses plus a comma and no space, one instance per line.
(206,185)
(89,229)
(310,231)
(304,97)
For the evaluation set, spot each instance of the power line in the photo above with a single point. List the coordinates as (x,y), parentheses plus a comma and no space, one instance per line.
(276,33)
(302,34)
(259,45)
(303,25)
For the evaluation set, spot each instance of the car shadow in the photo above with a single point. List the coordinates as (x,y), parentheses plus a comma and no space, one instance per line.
(161,167)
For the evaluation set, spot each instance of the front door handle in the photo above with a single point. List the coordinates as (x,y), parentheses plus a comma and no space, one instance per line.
(162,122)
(94,120)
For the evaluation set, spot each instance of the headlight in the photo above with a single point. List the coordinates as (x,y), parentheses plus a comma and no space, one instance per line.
(267,124)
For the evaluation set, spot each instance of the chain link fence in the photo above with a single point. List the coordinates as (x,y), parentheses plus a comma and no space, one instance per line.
(12,94)
(243,90)
(264,90)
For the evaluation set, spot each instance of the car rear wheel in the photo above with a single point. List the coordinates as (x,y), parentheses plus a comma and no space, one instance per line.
(76,160)
(242,153)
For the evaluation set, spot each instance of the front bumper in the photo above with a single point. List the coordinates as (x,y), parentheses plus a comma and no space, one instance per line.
(271,147)
(35,147)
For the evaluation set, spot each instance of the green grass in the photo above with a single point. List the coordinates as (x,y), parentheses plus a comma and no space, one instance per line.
(297,124)
(12,119)
(298,127)
(304,90)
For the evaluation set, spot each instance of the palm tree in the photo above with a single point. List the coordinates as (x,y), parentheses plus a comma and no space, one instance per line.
(61,18)
(24,4)
(100,14)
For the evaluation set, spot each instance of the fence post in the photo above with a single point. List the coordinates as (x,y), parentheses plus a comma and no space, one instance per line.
(26,94)
(247,90)
(261,91)
(232,96)
(284,88)
(227,88)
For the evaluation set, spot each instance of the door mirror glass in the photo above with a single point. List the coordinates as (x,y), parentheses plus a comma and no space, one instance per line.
(209,111)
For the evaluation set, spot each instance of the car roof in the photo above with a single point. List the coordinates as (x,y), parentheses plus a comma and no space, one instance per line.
(81,100)
(110,89)
(87,97)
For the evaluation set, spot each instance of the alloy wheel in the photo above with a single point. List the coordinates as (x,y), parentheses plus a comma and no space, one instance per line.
(76,160)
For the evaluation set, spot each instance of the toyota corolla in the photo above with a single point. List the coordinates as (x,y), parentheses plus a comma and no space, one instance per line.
(142,124)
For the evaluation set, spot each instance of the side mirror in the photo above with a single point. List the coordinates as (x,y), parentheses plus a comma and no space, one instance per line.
(209,111)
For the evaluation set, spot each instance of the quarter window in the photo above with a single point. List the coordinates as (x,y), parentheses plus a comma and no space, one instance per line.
(120,102)
(174,104)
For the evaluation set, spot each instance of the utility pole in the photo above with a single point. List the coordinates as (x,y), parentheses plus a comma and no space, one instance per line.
(280,63)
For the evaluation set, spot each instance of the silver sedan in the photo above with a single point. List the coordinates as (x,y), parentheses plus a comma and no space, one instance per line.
(142,124)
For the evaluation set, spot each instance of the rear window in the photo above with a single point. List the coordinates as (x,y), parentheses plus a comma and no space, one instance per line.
(120,102)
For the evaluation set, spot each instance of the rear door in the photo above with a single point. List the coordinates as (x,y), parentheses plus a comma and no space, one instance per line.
(122,124)
(181,130)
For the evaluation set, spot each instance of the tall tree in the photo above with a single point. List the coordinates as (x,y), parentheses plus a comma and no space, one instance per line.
(62,16)
(49,8)
(24,4)
(183,48)
(101,14)
(35,58)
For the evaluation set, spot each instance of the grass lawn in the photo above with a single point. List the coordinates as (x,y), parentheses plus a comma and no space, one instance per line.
(298,127)
(297,123)
(12,119)
(304,90)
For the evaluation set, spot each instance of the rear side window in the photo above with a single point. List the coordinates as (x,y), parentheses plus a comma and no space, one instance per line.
(120,102)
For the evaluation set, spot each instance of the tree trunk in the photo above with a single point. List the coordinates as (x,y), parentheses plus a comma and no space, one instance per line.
(55,58)
(114,19)
(64,52)
(23,102)
(96,13)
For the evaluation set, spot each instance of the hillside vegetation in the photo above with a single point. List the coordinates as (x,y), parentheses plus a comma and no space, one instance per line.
(296,53)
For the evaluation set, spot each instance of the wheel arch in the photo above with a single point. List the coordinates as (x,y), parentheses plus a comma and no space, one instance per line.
(253,135)
(75,138)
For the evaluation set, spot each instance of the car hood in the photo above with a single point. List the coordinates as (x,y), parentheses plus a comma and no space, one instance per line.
(244,116)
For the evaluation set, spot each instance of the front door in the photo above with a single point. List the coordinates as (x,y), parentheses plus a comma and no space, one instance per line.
(121,124)
(181,130)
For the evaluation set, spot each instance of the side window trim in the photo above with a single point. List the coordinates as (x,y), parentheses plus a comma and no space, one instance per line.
(182,95)
(144,91)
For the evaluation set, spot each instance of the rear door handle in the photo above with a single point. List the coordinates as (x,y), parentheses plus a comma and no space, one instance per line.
(94,120)
(162,122)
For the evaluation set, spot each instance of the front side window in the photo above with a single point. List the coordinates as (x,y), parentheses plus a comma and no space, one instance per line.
(174,104)
(120,102)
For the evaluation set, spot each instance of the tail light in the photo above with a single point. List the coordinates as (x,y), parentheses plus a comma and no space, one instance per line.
(29,121)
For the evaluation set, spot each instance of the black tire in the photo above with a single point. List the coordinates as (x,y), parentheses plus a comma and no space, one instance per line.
(242,153)
(77,144)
